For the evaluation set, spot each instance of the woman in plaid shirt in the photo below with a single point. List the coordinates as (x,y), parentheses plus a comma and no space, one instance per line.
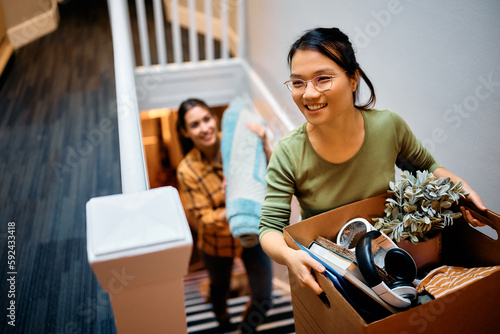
(202,188)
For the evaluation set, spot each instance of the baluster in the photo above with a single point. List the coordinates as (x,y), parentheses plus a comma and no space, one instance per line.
(160,32)
(209,42)
(193,37)
(241,29)
(224,23)
(176,31)
(143,33)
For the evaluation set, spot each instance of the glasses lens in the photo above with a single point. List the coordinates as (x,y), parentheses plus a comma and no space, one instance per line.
(323,82)
(289,85)
(297,85)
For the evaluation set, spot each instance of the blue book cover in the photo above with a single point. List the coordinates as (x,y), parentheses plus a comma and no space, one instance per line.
(367,308)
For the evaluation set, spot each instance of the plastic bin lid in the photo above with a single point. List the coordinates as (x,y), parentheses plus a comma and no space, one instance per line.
(130,222)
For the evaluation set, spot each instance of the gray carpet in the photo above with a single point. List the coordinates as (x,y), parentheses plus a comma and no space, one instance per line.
(54,157)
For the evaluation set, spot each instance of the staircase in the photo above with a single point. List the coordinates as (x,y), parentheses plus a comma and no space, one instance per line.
(201,320)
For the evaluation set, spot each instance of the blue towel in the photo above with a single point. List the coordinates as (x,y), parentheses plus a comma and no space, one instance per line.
(244,165)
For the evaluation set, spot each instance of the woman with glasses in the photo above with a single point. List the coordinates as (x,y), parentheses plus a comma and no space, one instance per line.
(326,161)
(201,183)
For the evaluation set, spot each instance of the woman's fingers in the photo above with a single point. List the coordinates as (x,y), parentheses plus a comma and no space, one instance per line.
(301,266)
(258,129)
(476,199)
(313,284)
(478,202)
(469,218)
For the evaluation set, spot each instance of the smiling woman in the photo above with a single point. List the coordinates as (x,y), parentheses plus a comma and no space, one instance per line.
(326,104)
(201,128)
(202,187)
(326,161)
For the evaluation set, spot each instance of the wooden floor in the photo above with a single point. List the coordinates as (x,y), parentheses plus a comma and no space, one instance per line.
(58,149)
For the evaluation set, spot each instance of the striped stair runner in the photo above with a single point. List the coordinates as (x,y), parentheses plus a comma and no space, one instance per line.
(201,320)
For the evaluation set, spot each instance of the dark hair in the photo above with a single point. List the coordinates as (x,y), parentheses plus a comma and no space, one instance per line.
(334,44)
(186,143)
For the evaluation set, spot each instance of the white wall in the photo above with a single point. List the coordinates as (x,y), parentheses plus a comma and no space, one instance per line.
(437,63)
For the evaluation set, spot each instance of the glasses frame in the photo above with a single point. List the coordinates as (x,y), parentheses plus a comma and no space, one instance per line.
(290,87)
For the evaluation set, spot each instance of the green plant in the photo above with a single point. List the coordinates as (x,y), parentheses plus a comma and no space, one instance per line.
(421,206)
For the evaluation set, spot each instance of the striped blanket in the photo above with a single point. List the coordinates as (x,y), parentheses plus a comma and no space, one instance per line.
(444,280)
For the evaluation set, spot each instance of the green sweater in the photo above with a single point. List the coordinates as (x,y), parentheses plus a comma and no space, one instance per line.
(296,169)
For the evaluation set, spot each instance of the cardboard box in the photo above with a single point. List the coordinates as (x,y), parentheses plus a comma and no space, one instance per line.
(472,309)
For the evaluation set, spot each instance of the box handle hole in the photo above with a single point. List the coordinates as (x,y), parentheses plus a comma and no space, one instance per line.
(322,296)
(487,231)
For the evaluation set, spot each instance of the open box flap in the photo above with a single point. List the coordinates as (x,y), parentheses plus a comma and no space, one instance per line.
(305,233)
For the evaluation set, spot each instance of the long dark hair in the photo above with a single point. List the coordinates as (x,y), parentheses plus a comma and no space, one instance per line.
(186,143)
(334,44)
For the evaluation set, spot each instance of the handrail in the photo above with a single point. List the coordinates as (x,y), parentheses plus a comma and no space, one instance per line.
(132,163)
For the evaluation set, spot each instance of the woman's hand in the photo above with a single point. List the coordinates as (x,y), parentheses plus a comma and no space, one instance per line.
(472,196)
(478,202)
(261,131)
(221,215)
(300,264)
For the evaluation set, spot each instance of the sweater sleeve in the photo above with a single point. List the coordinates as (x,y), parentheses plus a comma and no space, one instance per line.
(412,155)
(276,209)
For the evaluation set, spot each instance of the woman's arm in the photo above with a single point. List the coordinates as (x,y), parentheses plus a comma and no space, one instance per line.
(414,155)
(298,262)
(472,196)
(275,215)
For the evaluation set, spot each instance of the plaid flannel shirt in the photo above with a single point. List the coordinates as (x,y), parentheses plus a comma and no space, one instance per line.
(200,183)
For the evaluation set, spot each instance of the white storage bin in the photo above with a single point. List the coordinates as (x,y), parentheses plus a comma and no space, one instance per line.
(139,246)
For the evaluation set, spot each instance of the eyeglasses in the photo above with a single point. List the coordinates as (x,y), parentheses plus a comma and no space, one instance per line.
(320,83)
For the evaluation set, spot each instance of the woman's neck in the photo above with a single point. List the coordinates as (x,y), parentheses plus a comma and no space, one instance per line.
(338,141)
(211,152)
(340,129)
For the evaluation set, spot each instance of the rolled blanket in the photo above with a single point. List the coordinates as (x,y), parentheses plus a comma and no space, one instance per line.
(244,165)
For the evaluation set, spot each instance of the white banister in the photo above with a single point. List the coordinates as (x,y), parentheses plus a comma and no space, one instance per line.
(132,162)
(160,32)
(176,31)
(209,43)
(193,37)
(147,87)
(143,33)
(224,33)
